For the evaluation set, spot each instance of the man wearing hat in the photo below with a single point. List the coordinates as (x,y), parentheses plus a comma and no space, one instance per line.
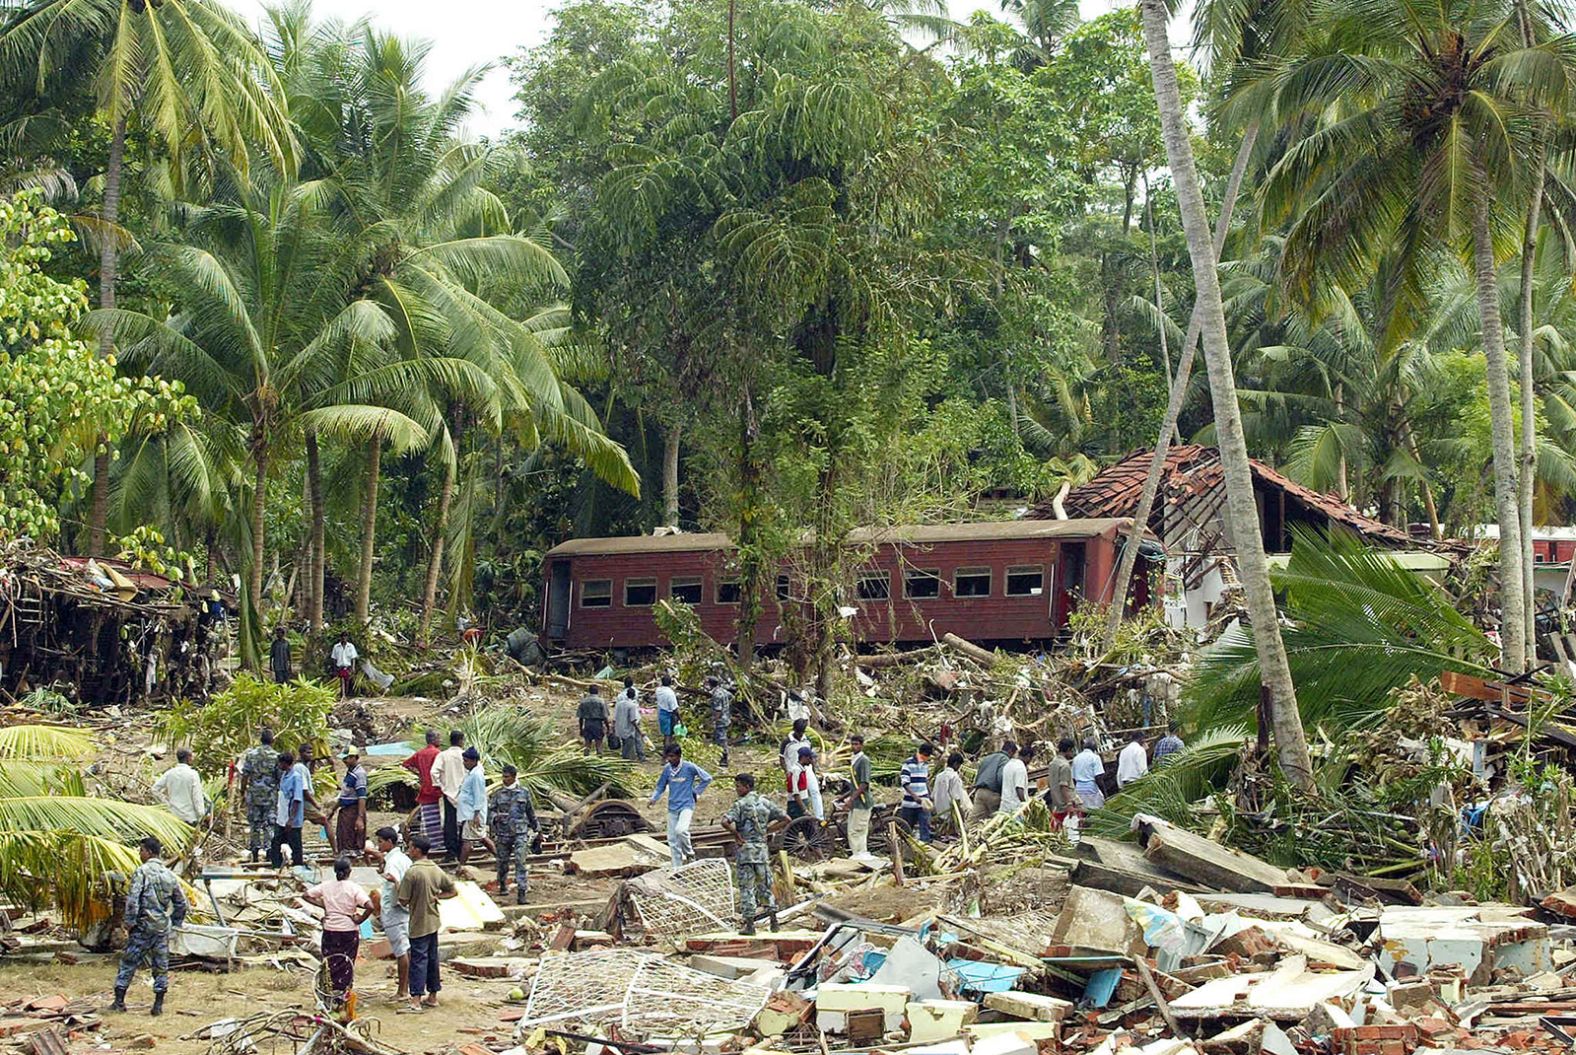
(350,830)
(471,807)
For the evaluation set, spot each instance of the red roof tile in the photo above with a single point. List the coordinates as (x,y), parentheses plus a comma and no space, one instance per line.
(1195,469)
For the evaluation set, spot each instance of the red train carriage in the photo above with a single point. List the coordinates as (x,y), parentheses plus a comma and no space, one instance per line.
(1009,582)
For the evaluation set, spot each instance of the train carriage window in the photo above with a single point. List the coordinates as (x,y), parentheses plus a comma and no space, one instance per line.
(971,582)
(596,593)
(921,583)
(685,588)
(782,587)
(875,585)
(1026,582)
(729,592)
(640,593)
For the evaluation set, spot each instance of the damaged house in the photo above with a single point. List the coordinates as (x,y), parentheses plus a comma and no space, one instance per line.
(114,633)
(1189,518)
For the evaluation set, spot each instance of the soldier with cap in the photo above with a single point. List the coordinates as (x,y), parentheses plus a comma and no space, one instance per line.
(154,904)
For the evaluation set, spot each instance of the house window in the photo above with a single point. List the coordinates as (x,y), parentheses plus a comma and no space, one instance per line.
(971,582)
(685,588)
(596,593)
(921,584)
(875,585)
(1026,582)
(729,592)
(640,593)
(782,587)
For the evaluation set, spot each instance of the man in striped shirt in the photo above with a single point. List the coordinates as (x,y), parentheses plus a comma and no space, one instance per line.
(916,805)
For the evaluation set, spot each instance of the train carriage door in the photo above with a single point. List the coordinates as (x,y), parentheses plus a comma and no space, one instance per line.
(1069,582)
(558,600)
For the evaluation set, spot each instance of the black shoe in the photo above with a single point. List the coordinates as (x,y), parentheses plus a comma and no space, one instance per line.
(158,1004)
(119,1003)
(748,928)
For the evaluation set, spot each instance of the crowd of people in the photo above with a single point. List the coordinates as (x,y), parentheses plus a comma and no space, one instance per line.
(455,811)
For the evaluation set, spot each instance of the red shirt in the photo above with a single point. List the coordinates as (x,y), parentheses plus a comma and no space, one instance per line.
(421,764)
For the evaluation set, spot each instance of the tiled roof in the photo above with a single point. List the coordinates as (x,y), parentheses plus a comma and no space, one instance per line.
(1194,469)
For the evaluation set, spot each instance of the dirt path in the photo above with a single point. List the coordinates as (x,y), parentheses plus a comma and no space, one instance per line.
(469,1010)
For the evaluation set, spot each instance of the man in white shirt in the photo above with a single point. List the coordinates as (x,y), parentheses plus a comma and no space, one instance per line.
(180,788)
(395,920)
(1133,762)
(1014,778)
(789,756)
(343,656)
(449,771)
(1088,767)
(667,709)
(948,789)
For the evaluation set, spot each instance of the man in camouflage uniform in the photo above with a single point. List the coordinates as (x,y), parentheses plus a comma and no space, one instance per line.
(512,814)
(751,819)
(154,904)
(721,714)
(259,790)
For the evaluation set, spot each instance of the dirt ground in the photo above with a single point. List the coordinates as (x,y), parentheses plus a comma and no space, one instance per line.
(469,1009)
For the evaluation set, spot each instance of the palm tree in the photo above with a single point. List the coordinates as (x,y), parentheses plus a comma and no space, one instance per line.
(173,68)
(1238,36)
(266,335)
(58,842)
(435,248)
(1416,123)
(1241,510)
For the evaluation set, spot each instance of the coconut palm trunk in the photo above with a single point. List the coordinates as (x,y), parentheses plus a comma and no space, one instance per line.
(1529,426)
(369,531)
(429,593)
(1242,511)
(319,564)
(109,258)
(1168,427)
(1529,435)
(254,574)
(1502,430)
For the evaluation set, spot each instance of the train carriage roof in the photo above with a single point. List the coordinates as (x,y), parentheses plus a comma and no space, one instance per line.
(914,534)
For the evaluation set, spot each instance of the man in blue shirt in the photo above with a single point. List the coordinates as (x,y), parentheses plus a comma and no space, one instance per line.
(289,812)
(471,807)
(916,805)
(684,782)
(1169,744)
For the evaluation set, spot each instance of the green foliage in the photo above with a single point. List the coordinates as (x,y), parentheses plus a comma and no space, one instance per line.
(1362,627)
(546,759)
(56,395)
(220,729)
(1171,790)
(57,844)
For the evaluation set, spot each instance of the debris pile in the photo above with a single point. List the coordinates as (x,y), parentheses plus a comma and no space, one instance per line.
(1028,944)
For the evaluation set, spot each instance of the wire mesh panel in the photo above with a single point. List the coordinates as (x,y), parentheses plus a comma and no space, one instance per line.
(585,987)
(672,1000)
(671,903)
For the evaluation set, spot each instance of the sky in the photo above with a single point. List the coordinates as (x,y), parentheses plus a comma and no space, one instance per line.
(467,33)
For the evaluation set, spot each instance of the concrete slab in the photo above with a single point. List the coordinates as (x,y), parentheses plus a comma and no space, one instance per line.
(1477,938)
(834,1000)
(1097,920)
(936,1020)
(1289,993)
(1033,1007)
(1197,858)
